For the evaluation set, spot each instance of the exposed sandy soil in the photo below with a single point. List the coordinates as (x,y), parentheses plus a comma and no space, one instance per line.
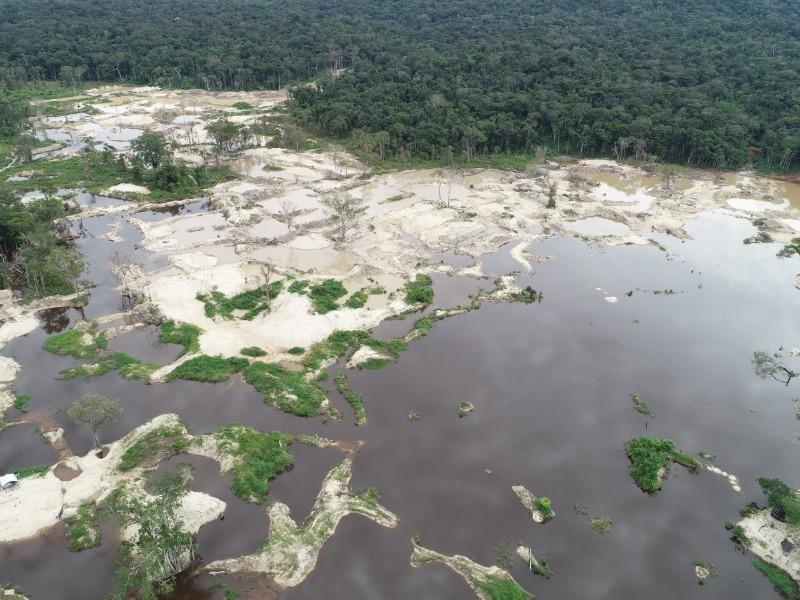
(766,534)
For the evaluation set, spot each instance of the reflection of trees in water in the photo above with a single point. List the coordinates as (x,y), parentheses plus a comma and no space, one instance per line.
(54,320)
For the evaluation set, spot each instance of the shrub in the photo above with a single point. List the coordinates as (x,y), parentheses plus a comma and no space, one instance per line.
(183,334)
(21,402)
(296,350)
(284,389)
(357,300)
(158,444)
(782,581)
(324,295)
(650,457)
(252,351)
(502,589)
(782,499)
(82,528)
(419,290)
(353,399)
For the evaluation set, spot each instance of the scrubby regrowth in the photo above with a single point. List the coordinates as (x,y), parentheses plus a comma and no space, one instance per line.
(82,341)
(650,458)
(83,531)
(353,399)
(488,583)
(640,405)
(245,305)
(290,552)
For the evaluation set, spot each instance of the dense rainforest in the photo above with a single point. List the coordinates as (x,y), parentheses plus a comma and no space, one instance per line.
(710,83)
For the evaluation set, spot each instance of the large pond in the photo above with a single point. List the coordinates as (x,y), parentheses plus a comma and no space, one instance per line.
(551,385)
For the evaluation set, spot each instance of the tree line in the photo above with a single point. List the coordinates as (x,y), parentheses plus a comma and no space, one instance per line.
(712,83)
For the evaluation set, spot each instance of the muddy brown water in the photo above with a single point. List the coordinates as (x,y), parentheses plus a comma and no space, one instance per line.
(551,385)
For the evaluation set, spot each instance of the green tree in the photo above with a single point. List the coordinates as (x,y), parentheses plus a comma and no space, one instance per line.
(150,149)
(96,411)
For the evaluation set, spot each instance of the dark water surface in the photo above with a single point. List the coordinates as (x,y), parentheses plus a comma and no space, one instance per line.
(551,385)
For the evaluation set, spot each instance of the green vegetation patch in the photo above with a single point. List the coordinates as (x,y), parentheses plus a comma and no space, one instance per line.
(782,581)
(502,589)
(324,295)
(128,366)
(252,302)
(650,458)
(262,457)
(640,405)
(183,334)
(83,531)
(21,402)
(253,351)
(738,534)
(374,364)
(82,341)
(159,444)
(419,290)
(782,499)
(209,369)
(32,471)
(284,389)
(296,350)
(357,300)
(299,286)
(353,399)
(336,345)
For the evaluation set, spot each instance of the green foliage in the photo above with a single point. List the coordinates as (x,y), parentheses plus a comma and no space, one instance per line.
(544,505)
(738,534)
(284,389)
(183,334)
(324,295)
(150,149)
(419,290)
(82,341)
(252,351)
(527,296)
(601,524)
(253,302)
(336,345)
(209,369)
(502,589)
(357,300)
(782,499)
(374,364)
(353,399)
(296,350)
(242,105)
(640,405)
(21,402)
(96,411)
(129,367)
(425,324)
(650,457)
(83,531)
(158,444)
(298,286)
(261,458)
(782,581)
(34,471)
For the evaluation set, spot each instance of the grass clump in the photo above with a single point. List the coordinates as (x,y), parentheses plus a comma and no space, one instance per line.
(253,351)
(783,500)
(284,389)
(545,506)
(336,345)
(357,300)
(209,369)
(502,589)
(21,402)
(419,290)
(82,528)
(262,457)
(324,295)
(298,286)
(601,524)
(650,458)
(33,471)
(424,324)
(252,302)
(782,581)
(640,405)
(296,350)
(374,363)
(183,334)
(353,399)
(160,443)
(82,341)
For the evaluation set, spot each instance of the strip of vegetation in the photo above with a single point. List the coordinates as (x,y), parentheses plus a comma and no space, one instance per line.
(353,399)
(208,369)
(419,290)
(33,471)
(183,334)
(128,366)
(502,589)
(284,389)
(252,302)
(262,457)
(82,341)
(336,345)
(783,500)
(650,458)
(253,351)
(83,531)
(782,581)
(156,445)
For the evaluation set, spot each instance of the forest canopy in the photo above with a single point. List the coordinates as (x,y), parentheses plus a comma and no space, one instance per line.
(709,83)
